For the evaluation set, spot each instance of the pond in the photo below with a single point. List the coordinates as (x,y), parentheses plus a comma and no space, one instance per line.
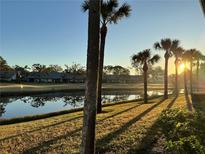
(11,107)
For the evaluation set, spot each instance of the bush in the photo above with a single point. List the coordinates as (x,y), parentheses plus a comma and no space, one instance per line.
(184,131)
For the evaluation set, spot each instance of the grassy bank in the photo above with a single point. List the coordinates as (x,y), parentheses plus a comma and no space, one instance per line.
(122,128)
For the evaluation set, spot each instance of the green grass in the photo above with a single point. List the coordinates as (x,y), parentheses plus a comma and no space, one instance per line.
(123,128)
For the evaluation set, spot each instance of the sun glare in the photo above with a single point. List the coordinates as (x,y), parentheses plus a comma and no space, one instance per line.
(182,66)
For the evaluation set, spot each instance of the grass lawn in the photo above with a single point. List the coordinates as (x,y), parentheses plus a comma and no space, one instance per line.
(122,128)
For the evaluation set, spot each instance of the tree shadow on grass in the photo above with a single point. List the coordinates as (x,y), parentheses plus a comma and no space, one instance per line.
(44,146)
(43,127)
(118,113)
(109,137)
(172,102)
(151,138)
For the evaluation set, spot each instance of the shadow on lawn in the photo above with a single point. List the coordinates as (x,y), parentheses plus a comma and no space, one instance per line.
(171,103)
(44,127)
(45,145)
(102,144)
(152,136)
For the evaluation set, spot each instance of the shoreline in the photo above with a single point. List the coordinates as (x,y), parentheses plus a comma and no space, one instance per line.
(34,89)
(62,112)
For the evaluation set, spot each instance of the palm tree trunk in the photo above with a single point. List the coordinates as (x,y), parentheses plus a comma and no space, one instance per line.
(197,74)
(145,87)
(145,68)
(176,77)
(185,81)
(166,79)
(89,120)
(100,67)
(191,78)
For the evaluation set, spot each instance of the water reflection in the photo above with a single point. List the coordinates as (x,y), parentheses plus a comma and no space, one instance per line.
(20,106)
(75,101)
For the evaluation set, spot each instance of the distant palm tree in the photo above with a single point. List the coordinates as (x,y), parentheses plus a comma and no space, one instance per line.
(110,13)
(143,59)
(185,57)
(177,52)
(89,119)
(167,45)
(197,57)
(190,57)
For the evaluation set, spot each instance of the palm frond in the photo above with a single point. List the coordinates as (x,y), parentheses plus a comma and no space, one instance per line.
(175,44)
(157,46)
(123,11)
(166,43)
(107,9)
(85,5)
(146,54)
(178,52)
(154,59)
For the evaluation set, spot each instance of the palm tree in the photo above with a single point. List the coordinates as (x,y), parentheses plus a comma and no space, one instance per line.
(167,45)
(89,120)
(190,56)
(143,59)
(197,57)
(110,13)
(177,52)
(203,5)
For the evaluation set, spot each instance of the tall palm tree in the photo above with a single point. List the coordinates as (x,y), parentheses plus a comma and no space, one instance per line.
(110,13)
(167,45)
(177,52)
(89,120)
(190,55)
(185,58)
(197,57)
(143,59)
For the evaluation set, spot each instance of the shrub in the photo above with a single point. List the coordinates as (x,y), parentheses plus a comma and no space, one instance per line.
(184,131)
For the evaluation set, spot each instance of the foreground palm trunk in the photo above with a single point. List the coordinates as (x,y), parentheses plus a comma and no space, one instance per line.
(100,67)
(89,120)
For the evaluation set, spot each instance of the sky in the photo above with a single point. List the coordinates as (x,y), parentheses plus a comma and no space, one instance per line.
(55,31)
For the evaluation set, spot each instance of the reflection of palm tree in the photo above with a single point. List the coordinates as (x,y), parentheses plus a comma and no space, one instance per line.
(110,13)
(144,58)
(73,100)
(3,102)
(177,52)
(38,101)
(167,45)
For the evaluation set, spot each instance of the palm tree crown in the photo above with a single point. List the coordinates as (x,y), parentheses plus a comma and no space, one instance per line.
(144,58)
(110,13)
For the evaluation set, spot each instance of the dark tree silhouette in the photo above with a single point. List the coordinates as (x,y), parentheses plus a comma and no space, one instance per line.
(110,13)
(167,45)
(143,59)
(177,52)
(89,119)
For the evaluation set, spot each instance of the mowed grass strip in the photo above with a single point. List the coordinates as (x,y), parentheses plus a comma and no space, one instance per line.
(120,129)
